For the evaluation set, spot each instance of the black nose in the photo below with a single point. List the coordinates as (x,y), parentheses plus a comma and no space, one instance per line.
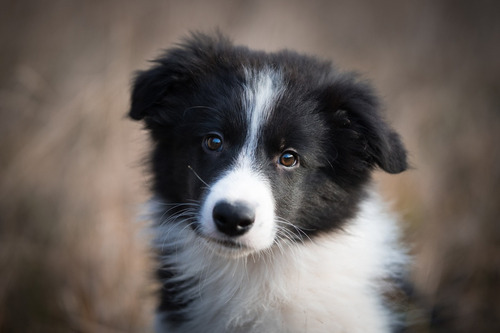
(233,219)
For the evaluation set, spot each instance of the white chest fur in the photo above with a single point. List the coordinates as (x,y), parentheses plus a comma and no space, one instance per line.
(330,284)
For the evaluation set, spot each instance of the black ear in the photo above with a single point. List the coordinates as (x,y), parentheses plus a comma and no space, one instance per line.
(159,90)
(149,88)
(158,93)
(387,149)
(354,110)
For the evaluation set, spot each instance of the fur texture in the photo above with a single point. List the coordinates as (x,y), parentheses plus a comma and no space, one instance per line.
(265,216)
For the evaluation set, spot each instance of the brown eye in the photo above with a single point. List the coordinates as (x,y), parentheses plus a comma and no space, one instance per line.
(213,142)
(288,159)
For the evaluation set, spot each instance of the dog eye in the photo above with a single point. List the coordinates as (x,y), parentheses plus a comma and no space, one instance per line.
(289,159)
(213,142)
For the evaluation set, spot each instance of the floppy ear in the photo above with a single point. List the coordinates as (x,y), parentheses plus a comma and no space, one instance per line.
(389,151)
(157,91)
(149,88)
(354,110)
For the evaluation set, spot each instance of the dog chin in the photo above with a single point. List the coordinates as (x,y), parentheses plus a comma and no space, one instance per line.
(226,248)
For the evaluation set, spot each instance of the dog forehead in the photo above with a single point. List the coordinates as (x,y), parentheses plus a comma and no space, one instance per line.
(262,90)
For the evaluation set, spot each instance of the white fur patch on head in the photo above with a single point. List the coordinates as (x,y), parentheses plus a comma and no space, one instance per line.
(243,183)
(262,91)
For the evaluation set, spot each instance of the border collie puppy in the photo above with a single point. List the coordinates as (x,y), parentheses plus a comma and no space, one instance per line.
(265,216)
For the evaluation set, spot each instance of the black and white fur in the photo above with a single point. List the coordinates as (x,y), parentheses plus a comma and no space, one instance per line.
(265,216)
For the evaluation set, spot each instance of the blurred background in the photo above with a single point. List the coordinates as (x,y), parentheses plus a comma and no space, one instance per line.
(72,255)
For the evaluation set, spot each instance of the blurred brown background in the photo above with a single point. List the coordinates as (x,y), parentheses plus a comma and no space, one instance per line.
(72,257)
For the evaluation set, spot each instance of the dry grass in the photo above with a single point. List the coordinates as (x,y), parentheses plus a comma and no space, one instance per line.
(71,256)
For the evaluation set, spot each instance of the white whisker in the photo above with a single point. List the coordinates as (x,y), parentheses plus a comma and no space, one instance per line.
(197,176)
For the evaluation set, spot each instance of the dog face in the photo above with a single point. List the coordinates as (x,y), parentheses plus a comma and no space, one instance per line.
(254,149)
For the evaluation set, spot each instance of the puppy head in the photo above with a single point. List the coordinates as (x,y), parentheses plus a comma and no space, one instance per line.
(269,148)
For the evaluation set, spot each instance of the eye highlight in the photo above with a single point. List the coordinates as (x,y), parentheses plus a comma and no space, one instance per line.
(288,159)
(213,142)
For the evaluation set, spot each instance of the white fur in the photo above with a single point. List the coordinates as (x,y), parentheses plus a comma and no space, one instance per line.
(329,284)
(243,185)
(262,90)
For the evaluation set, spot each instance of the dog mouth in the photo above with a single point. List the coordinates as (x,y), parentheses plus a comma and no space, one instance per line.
(224,242)
(228,243)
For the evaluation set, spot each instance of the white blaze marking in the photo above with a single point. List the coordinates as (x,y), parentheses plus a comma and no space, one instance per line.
(244,182)
(262,90)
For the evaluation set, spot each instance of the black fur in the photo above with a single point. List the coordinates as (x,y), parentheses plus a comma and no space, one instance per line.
(330,118)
